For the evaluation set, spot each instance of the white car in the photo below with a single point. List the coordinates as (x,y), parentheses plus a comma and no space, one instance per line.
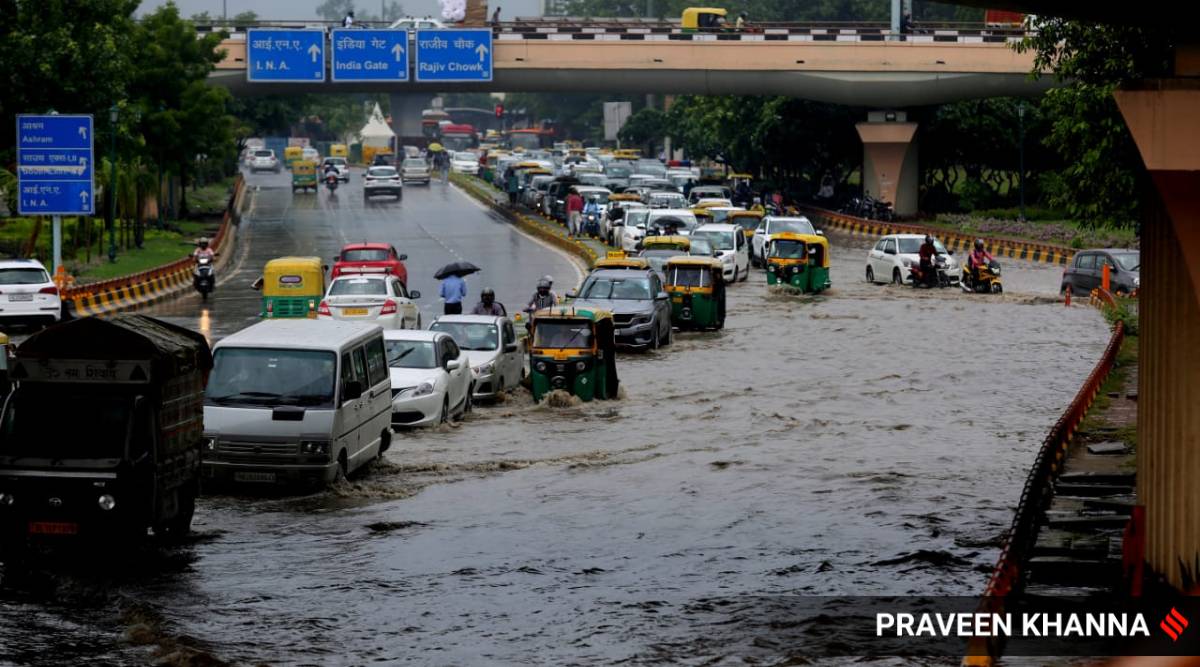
(731,241)
(264,159)
(890,258)
(774,225)
(27,294)
(630,234)
(371,294)
(683,215)
(340,166)
(662,199)
(431,377)
(611,232)
(414,23)
(382,181)
(465,163)
(496,359)
(415,169)
(311,155)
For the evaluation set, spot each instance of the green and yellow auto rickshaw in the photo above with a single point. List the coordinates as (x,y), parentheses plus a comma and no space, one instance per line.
(617,260)
(573,349)
(800,261)
(292,155)
(703,19)
(304,176)
(292,287)
(697,289)
(747,220)
(666,243)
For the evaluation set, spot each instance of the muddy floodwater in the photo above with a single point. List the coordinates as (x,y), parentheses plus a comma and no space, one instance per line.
(871,440)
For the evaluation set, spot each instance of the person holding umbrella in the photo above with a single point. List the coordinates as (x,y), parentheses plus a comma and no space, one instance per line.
(454,287)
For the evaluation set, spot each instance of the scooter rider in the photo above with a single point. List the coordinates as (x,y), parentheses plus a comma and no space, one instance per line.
(543,297)
(927,253)
(202,250)
(488,305)
(978,257)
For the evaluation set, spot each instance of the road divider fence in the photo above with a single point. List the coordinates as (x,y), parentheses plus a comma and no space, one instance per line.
(147,287)
(1007,577)
(1028,251)
(488,195)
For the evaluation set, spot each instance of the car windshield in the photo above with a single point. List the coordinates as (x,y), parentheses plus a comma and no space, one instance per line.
(789,249)
(618,171)
(338,161)
(1130,261)
(23,276)
(262,376)
(365,255)
(410,354)
(701,247)
(381,172)
(358,286)
(746,221)
(911,245)
(563,334)
(597,197)
(415,163)
(719,240)
(797,226)
(470,335)
(611,287)
(636,217)
(96,429)
(689,276)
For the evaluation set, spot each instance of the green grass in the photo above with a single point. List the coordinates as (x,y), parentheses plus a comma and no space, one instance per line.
(210,199)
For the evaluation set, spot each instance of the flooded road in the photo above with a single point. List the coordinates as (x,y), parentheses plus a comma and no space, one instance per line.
(872,440)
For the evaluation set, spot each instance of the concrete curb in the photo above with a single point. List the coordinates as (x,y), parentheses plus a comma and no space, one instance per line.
(1000,247)
(529,224)
(148,287)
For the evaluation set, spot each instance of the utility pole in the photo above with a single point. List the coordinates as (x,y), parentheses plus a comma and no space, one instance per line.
(113,116)
(1021,154)
(225,10)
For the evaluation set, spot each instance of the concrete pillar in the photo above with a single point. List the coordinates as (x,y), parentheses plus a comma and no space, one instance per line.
(1162,118)
(406,113)
(890,170)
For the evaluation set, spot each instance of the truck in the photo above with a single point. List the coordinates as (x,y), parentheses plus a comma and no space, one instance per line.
(101,435)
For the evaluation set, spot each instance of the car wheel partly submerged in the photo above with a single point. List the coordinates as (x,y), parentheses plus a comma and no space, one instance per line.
(896,278)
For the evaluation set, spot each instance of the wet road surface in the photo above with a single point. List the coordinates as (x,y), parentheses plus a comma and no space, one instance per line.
(871,440)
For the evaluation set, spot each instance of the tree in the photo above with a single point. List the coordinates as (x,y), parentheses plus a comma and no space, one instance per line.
(335,10)
(644,128)
(1101,180)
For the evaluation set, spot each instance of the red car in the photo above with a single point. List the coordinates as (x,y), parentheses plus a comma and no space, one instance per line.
(378,256)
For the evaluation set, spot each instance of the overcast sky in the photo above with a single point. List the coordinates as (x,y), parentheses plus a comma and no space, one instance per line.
(305,9)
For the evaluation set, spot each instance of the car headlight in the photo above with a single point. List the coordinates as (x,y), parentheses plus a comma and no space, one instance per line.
(1137,281)
(210,444)
(580,365)
(640,319)
(727,259)
(996,270)
(7,499)
(314,447)
(540,367)
(770,268)
(423,389)
(485,369)
(106,502)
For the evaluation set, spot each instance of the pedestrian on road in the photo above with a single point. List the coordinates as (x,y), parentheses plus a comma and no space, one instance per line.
(348,22)
(454,290)
(496,18)
(574,212)
(512,186)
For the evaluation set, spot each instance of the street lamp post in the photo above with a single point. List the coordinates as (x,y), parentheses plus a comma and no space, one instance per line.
(1021,153)
(112,183)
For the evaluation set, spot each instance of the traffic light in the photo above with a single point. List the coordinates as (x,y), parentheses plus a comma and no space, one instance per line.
(499,111)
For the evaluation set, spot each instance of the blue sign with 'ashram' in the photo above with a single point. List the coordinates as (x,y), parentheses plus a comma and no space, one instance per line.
(55,165)
(369,55)
(454,55)
(285,56)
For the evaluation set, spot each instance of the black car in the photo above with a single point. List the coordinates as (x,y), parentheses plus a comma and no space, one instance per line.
(641,308)
(1085,271)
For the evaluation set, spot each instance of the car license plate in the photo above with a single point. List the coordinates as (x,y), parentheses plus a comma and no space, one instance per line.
(20,297)
(254,477)
(53,528)
(352,312)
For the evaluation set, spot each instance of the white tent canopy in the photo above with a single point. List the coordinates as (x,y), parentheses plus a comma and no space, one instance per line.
(376,132)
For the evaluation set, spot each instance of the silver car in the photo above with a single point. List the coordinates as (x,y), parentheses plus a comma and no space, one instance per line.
(641,308)
(415,169)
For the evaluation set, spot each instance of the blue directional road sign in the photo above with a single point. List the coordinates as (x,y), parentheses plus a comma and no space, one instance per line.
(369,55)
(285,56)
(55,165)
(454,55)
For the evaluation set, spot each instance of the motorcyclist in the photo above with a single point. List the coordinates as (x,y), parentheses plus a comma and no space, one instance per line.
(543,297)
(488,305)
(590,207)
(927,253)
(978,257)
(202,250)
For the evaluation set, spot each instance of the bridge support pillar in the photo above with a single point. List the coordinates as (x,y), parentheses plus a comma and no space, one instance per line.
(1161,116)
(406,114)
(890,170)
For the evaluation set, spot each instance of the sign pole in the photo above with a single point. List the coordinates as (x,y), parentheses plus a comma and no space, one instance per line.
(57,243)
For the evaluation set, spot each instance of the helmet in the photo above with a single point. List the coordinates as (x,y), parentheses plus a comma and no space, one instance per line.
(488,295)
(543,285)
(979,244)
(928,238)
(203,242)
(549,280)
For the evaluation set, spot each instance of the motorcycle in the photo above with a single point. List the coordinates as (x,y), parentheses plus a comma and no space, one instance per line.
(988,282)
(331,182)
(204,277)
(591,225)
(935,277)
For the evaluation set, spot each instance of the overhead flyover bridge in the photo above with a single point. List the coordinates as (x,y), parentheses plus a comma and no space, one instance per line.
(864,65)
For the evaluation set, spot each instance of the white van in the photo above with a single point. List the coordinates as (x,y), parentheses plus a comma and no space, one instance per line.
(296,401)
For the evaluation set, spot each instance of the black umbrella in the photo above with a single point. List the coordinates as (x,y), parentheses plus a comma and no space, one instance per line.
(456,269)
